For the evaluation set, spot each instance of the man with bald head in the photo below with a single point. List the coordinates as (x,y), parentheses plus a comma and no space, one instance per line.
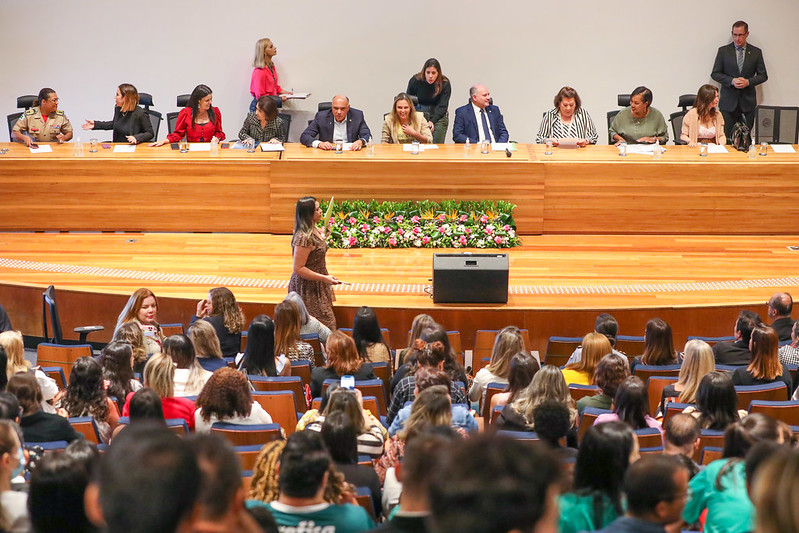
(479,120)
(340,122)
(779,311)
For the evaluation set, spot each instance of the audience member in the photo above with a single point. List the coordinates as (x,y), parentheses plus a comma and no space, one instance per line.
(737,352)
(130,333)
(259,357)
(404,124)
(789,353)
(340,122)
(493,484)
(594,347)
(639,123)
(147,482)
(12,463)
(552,420)
(226,398)
(681,437)
(567,120)
(287,334)
(222,311)
(159,376)
(264,484)
(369,338)
(509,342)
(131,123)
(116,360)
(765,366)
(704,123)
(311,415)
(190,377)
(303,474)
(716,402)
(658,345)
(142,308)
(350,401)
(607,325)
(14,347)
(656,487)
(438,333)
(774,495)
(523,368)
(86,396)
(433,90)
(309,325)
(3,367)
(479,119)
(721,486)
(631,405)
(5,321)
(608,375)
(605,453)
(697,363)
(420,322)
(9,407)
(779,312)
(342,360)
(38,426)
(206,346)
(547,384)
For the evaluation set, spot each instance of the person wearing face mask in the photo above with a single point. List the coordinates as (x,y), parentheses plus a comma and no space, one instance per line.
(199,122)
(131,123)
(433,90)
(404,124)
(568,120)
(704,123)
(639,123)
(43,122)
(12,463)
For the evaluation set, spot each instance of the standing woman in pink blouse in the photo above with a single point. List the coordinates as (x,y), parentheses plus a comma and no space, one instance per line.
(264,75)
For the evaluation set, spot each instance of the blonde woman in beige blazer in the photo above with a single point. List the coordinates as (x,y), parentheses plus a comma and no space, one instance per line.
(404,124)
(706,114)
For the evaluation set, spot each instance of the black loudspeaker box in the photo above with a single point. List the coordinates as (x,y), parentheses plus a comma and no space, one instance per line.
(470,278)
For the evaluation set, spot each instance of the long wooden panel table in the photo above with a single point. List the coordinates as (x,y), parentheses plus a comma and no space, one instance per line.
(580,191)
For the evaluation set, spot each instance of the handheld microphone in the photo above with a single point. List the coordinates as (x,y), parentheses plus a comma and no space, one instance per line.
(507,152)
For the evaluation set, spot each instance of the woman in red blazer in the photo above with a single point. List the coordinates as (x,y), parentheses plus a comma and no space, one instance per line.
(199,121)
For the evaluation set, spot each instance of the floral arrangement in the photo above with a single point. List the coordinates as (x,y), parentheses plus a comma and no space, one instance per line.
(424,224)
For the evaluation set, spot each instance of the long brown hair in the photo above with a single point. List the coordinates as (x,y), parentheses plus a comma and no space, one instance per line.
(130,97)
(130,333)
(131,309)
(704,97)
(509,342)
(765,361)
(440,79)
(287,327)
(342,356)
(658,344)
(223,302)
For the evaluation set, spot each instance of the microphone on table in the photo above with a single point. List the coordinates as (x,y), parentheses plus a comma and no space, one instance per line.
(507,152)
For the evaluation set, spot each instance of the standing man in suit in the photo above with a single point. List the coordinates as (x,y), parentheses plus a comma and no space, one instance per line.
(339,122)
(739,67)
(479,120)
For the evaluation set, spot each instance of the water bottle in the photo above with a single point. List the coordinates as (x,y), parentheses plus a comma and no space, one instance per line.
(214,147)
(656,150)
(467,149)
(78,148)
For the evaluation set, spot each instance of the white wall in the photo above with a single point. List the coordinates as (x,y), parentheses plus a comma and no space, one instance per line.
(369,48)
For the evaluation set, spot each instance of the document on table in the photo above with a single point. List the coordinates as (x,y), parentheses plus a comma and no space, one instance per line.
(296,96)
(125,148)
(42,149)
(501,147)
(272,147)
(717,149)
(199,147)
(642,149)
(783,149)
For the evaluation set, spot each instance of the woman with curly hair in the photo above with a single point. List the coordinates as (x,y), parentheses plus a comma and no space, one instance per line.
(222,311)
(189,376)
(428,335)
(86,396)
(287,334)
(609,374)
(420,322)
(206,346)
(342,360)
(547,384)
(226,398)
(131,333)
(116,360)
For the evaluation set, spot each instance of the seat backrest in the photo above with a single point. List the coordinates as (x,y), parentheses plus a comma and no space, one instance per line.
(50,310)
(61,355)
(316,344)
(324,106)
(588,418)
(495,413)
(374,387)
(247,435)
(178,426)
(248,455)
(710,454)
(182,100)
(711,340)
(171,121)
(56,373)
(654,388)
(491,390)
(519,435)
(777,124)
(370,404)
(673,408)
(708,437)
(483,345)
(364,498)
(676,125)
(770,392)
(381,370)
(454,341)
(155,120)
(26,101)
(646,371)
(302,369)
(578,391)
(649,438)
(280,383)
(172,329)
(623,99)
(243,341)
(12,121)
(787,412)
(281,407)
(286,118)
(85,426)
(631,345)
(559,349)
(49,446)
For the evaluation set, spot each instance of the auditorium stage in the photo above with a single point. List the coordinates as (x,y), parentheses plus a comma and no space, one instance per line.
(557,282)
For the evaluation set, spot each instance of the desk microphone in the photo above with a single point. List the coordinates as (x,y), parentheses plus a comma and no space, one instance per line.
(507,152)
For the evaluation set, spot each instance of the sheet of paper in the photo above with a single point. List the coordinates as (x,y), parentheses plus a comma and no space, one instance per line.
(42,149)
(346,146)
(297,96)
(409,147)
(643,149)
(125,148)
(430,147)
(717,149)
(783,149)
(269,147)
(501,147)
(199,147)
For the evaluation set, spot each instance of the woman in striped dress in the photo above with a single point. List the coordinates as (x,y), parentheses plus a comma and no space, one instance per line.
(568,120)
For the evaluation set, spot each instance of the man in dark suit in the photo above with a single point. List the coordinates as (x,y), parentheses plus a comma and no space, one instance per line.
(779,311)
(473,119)
(340,122)
(737,352)
(739,67)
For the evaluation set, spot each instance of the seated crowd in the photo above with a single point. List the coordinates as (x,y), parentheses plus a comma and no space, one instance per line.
(433,464)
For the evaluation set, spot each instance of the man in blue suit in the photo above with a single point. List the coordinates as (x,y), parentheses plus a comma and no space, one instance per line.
(473,119)
(339,122)
(739,67)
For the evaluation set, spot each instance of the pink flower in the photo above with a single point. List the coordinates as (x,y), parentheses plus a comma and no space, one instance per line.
(442,229)
(415,219)
(353,241)
(489,231)
(462,240)
(386,230)
(505,227)
(392,241)
(365,227)
(401,231)
(375,219)
(351,221)
(425,239)
(417,230)
(498,239)
(400,218)
(441,217)
(344,228)
(468,231)
(484,219)
(464,218)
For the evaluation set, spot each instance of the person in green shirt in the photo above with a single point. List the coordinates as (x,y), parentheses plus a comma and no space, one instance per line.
(639,123)
(608,375)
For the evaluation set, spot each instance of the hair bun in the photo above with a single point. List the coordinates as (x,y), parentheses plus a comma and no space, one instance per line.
(419,344)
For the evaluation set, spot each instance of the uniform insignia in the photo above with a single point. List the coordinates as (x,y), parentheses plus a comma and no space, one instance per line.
(30,111)
(59,112)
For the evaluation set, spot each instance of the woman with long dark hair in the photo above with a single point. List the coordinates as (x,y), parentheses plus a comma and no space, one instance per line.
(631,405)
(704,122)
(259,355)
(433,91)
(368,337)
(116,360)
(310,278)
(86,396)
(716,402)
(199,121)
(765,366)
(658,345)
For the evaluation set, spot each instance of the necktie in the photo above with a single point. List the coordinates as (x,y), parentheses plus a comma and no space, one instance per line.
(740,60)
(486,131)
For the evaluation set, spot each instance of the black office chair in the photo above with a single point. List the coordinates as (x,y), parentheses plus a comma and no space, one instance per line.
(324,106)
(623,100)
(172,120)
(49,309)
(676,125)
(286,118)
(182,100)
(685,101)
(26,101)
(146,100)
(777,124)
(12,121)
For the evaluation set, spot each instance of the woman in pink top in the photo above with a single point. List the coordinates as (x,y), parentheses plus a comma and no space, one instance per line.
(631,405)
(264,75)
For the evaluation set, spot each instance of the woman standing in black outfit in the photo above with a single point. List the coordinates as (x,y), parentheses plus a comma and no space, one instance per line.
(131,124)
(433,90)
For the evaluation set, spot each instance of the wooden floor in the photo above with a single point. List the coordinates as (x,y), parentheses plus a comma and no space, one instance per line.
(547,272)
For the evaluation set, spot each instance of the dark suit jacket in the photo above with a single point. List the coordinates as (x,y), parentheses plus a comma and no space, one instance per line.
(732,353)
(321,127)
(783,327)
(465,126)
(726,68)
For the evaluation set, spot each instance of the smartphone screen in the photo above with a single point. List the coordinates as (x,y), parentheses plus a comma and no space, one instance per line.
(348,382)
